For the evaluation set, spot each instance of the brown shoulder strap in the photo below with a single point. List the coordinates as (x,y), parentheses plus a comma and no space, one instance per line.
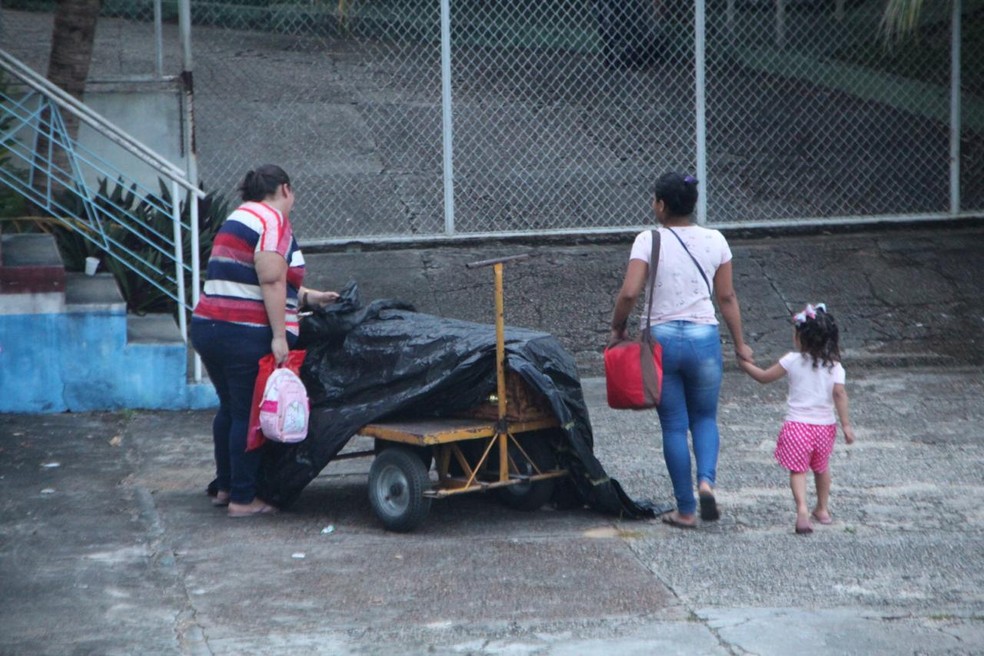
(653,265)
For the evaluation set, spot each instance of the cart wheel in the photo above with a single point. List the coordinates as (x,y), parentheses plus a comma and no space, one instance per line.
(397,481)
(530,495)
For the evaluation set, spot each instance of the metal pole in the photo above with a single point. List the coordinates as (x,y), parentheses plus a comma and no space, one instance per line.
(179,260)
(158,40)
(446,116)
(191,161)
(500,373)
(184,26)
(701,109)
(955,107)
(780,24)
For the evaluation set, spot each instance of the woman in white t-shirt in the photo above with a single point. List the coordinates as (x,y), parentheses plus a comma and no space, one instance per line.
(694,264)
(816,390)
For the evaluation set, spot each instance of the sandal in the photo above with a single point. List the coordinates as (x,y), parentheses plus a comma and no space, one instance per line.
(708,507)
(672,519)
(803,529)
(251,509)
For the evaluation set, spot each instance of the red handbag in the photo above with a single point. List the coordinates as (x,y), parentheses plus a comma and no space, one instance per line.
(634,368)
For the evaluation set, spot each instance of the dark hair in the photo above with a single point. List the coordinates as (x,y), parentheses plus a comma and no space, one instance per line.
(262,182)
(678,191)
(819,338)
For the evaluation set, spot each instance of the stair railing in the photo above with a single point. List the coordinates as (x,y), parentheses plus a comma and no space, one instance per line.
(53,170)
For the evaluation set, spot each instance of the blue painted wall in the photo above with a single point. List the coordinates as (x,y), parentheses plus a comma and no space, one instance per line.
(81,362)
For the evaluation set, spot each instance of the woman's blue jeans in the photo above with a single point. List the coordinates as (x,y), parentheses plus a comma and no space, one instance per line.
(691,383)
(231,355)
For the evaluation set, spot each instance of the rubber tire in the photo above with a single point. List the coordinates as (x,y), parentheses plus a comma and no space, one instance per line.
(530,496)
(397,481)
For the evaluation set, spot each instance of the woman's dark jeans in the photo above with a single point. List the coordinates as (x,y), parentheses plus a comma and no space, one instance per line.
(231,354)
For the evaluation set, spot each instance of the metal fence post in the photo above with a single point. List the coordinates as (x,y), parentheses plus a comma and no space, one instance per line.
(955,118)
(447,127)
(701,109)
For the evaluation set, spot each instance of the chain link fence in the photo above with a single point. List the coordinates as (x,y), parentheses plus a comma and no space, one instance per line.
(810,117)
(564,111)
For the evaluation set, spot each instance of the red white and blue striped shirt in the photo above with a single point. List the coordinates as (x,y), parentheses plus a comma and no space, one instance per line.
(232,288)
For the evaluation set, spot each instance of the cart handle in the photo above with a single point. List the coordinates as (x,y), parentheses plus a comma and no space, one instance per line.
(497,260)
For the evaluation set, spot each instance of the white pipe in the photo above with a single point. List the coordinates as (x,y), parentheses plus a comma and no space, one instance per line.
(701,109)
(191,159)
(447,117)
(179,260)
(196,283)
(955,118)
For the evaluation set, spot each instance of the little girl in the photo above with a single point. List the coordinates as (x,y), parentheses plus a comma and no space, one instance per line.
(816,389)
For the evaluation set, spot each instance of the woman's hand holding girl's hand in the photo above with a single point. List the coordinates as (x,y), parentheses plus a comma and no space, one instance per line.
(744,353)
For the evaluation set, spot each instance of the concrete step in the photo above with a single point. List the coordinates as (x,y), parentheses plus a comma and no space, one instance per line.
(153,329)
(98,293)
(32,276)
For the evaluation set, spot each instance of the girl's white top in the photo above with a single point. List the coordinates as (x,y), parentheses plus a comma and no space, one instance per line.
(681,293)
(811,391)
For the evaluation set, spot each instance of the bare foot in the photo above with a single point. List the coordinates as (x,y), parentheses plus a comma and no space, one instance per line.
(822,516)
(803,526)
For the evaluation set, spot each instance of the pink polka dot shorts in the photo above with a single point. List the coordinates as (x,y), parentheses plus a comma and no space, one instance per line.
(802,447)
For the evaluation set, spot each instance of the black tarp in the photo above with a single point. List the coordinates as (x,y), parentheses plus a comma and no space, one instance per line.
(368,363)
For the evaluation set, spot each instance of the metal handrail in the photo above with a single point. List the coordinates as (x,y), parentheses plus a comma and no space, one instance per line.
(69,103)
(40,110)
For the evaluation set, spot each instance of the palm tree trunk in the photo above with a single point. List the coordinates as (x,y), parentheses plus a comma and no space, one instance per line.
(68,68)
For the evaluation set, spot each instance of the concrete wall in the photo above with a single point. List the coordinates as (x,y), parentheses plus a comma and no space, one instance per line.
(150,112)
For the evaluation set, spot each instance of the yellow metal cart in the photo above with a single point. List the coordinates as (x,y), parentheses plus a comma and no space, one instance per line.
(508,451)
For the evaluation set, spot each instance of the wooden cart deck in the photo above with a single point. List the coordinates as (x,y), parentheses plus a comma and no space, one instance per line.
(430,432)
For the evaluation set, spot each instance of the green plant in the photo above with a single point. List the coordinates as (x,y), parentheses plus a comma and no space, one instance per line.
(130,244)
(11,203)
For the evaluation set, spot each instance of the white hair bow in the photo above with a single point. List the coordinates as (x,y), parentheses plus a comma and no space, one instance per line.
(809,312)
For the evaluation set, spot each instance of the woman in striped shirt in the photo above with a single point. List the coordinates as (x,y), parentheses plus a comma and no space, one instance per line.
(248,309)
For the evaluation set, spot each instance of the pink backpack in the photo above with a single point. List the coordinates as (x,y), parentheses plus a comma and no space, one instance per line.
(284,408)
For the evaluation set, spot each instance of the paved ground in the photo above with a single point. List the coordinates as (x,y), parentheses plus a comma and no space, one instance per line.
(109,546)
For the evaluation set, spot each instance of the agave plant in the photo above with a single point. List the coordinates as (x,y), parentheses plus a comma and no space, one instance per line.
(135,252)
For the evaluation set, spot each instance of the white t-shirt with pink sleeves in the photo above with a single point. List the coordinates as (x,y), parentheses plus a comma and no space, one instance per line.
(681,293)
(811,391)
